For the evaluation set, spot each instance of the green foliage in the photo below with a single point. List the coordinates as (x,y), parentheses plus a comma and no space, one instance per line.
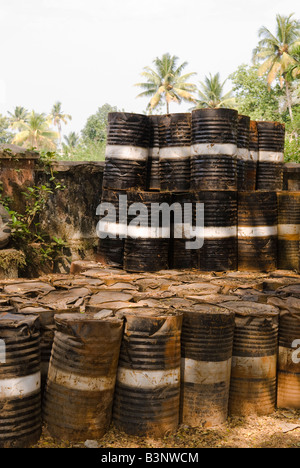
(253,97)
(96,125)
(5,134)
(211,93)
(90,151)
(27,234)
(292,150)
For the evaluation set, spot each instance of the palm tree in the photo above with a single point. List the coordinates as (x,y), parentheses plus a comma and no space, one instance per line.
(166,82)
(294,70)
(71,142)
(274,52)
(211,93)
(36,133)
(20,114)
(57,116)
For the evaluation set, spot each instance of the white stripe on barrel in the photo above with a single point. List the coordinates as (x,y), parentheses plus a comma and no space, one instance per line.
(205,373)
(271,157)
(148,379)
(214,149)
(254,367)
(175,152)
(133,153)
(258,231)
(80,382)
(20,387)
(285,230)
(220,232)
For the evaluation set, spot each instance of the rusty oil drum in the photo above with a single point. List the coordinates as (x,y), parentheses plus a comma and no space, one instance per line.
(288,378)
(271,140)
(82,374)
(214,149)
(219,252)
(153,171)
(251,165)
(127,151)
(254,360)
(111,248)
(20,381)
(175,152)
(206,350)
(243,154)
(147,396)
(146,247)
(288,230)
(181,256)
(257,231)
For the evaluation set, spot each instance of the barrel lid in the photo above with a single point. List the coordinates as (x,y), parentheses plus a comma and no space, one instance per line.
(11,320)
(209,309)
(84,318)
(245,308)
(148,312)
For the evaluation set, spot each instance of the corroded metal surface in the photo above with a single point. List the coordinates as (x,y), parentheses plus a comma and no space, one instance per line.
(219,252)
(20,381)
(257,231)
(81,378)
(243,154)
(254,360)
(174,160)
(288,230)
(148,383)
(207,341)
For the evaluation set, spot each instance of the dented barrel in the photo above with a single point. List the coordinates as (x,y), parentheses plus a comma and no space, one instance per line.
(214,149)
(20,381)
(243,156)
(127,149)
(147,396)
(288,383)
(254,360)
(153,174)
(219,251)
(82,374)
(206,350)
(112,227)
(257,231)
(183,255)
(271,140)
(175,152)
(288,230)
(149,231)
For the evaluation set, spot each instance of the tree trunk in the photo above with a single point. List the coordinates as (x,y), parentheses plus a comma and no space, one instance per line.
(289,100)
(168,108)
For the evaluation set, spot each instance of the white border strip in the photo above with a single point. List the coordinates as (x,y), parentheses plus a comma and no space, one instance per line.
(270,156)
(175,152)
(288,230)
(148,379)
(220,232)
(205,373)
(243,154)
(20,387)
(133,153)
(214,149)
(79,382)
(258,231)
(253,155)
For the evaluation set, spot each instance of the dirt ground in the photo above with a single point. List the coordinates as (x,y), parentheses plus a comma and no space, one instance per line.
(276,431)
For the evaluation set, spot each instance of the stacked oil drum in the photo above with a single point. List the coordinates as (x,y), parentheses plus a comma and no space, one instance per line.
(218,171)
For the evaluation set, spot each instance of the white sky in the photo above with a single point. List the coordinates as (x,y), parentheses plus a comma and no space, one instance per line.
(85,53)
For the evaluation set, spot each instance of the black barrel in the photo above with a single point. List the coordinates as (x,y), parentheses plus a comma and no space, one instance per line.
(254,361)
(288,230)
(147,247)
(182,255)
(271,140)
(111,248)
(219,252)
(251,166)
(153,174)
(82,375)
(214,149)
(206,351)
(127,149)
(243,156)
(175,152)
(257,231)
(147,396)
(288,383)
(20,381)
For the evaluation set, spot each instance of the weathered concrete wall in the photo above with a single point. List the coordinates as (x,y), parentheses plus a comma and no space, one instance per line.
(70,213)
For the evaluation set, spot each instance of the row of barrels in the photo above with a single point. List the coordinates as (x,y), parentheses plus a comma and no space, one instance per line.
(147,370)
(208,149)
(246,231)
